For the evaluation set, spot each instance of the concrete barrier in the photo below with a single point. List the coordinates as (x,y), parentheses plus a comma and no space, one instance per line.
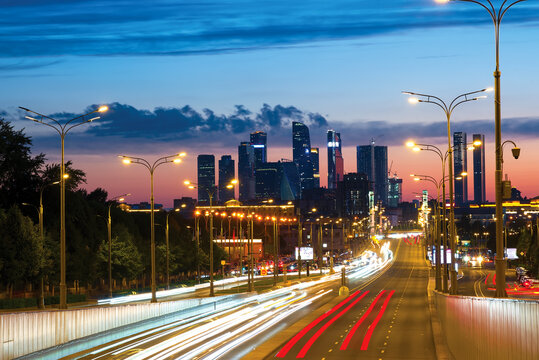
(27,332)
(487,328)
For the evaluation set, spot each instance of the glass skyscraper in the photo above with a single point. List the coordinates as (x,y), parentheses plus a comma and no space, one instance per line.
(372,160)
(246,171)
(315,160)
(460,165)
(226,175)
(394,194)
(335,159)
(259,144)
(301,150)
(206,177)
(479,192)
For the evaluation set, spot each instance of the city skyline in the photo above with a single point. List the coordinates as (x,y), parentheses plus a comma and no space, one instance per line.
(205,91)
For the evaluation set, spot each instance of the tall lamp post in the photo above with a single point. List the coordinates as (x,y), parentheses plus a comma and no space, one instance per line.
(62,128)
(497,16)
(109,234)
(448,110)
(176,159)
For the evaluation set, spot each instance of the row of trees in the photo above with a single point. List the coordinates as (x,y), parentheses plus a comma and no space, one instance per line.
(25,257)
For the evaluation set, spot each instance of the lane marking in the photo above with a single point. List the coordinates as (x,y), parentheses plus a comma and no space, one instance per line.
(311,341)
(353,330)
(282,353)
(368,335)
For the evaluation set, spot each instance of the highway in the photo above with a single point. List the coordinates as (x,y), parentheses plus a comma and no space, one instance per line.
(385,316)
(386,319)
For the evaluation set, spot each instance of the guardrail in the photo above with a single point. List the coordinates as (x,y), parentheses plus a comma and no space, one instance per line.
(27,332)
(488,328)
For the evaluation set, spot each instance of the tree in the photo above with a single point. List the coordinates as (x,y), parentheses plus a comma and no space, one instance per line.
(19,171)
(51,173)
(22,255)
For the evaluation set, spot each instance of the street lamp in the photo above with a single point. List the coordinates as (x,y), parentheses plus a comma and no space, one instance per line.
(176,159)
(62,128)
(167,247)
(448,110)
(109,234)
(211,192)
(497,16)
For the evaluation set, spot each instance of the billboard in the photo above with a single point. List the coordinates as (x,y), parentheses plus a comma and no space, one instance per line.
(512,253)
(307,253)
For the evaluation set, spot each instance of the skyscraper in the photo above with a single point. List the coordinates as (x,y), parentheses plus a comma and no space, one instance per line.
(301,149)
(268,181)
(315,160)
(394,193)
(460,165)
(206,176)
(246,171)
(226,175)
(354,195)
(372,160)
(335,159)
(259,144)
(479,192)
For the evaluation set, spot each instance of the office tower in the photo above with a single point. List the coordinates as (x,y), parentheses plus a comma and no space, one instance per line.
(206,177)
(315,160)
(460,165)
(394,193)
(354,194)
(301,149)
(226,175)
(246,171)
(259,144)
(268,181)
(479,193)
(372,160)
(335,159)
(290,181)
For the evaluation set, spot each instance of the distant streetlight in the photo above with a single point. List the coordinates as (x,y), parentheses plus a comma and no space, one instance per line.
(109,234)
(176,159)
(63,129)
(497,16)
(448,110)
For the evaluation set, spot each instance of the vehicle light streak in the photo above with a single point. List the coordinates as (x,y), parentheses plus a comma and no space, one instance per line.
(311,341)
(355,327)
(298,336)
(367,338)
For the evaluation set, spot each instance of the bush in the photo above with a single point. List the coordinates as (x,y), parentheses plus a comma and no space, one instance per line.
(19,303)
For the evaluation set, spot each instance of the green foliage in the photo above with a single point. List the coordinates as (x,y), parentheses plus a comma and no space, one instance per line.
(22,254)
(19,171)
(125,257)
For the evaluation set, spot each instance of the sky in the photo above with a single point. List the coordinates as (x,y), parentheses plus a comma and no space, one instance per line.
(200,76)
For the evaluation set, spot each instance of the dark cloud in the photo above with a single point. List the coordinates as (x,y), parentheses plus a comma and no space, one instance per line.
(125,127)
(164,27)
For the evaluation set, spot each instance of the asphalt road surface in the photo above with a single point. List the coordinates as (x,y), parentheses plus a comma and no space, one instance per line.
(387,319)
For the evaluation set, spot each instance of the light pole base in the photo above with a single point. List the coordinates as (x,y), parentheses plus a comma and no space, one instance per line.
(444,281)
(500,278)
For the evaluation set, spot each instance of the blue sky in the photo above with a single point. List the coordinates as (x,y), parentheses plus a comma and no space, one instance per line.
(199,75)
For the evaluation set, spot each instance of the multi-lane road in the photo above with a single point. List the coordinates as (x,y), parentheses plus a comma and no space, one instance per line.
(385,316)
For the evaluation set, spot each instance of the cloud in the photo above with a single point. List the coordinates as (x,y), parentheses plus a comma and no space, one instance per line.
(33,28)
(127,128)
(26,65)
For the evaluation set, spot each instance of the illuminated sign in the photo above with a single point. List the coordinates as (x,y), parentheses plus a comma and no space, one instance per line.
(512,253)
(256,146)
(306,253)
(333,144)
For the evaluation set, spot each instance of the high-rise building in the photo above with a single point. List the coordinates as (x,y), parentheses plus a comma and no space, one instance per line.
(315,159)
(226,175)
(290,181)
(479,192)
(259,144)
(372,160)
(394,193)
(354,195)
(206,177)
(268,181)
(246,171)
(301,150)
(335,159)
(460,165)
